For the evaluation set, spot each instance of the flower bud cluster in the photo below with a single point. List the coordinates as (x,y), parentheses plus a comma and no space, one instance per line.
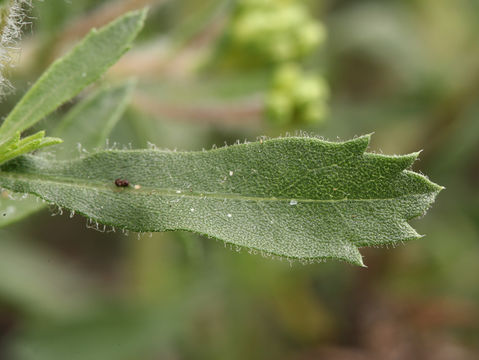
(279,34)
(296,95)
(277,30)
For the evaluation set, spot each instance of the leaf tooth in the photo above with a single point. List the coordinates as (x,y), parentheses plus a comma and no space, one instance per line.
(420,184)
(423,201)
(347,252)
(391,164)
(358,145)
(408,233)
(405,161)
(355,257)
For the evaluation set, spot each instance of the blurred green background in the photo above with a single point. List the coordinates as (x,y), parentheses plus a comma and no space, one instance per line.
(211,72)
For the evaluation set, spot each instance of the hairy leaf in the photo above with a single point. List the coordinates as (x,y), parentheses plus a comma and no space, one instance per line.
(300,198)
(15,146)
(11,21)
(84,64)
(88,123)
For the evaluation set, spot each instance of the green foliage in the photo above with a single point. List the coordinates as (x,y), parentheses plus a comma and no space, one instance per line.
(88,123)
(15,146)
(299,198)
(406,70)
(64,79)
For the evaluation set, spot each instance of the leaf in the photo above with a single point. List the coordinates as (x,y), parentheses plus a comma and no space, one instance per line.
(88,123)
(84,64)
(15,146)
(300,198)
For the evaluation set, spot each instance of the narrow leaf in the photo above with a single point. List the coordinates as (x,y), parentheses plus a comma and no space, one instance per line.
(88,123)
(15,147)
(10,144)
(84,64)
(91,121)
(300,198)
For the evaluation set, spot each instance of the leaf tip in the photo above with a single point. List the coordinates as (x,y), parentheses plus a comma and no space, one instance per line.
(53,140)
(351,255)
(359,262)
(140,14)
(435,189)
(366,138)
(439,188)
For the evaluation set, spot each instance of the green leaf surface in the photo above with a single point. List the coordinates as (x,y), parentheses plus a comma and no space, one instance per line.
(88,123)
(84,64)
(15,146)
(299,198)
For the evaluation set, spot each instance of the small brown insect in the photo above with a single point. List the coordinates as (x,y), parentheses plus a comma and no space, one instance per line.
(122,182)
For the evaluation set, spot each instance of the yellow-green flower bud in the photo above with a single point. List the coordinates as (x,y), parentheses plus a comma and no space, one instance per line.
(279,107)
